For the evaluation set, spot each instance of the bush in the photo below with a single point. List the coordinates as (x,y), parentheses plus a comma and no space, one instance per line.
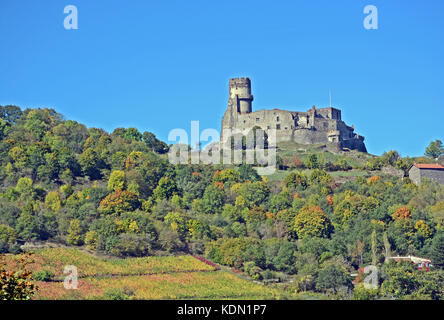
(332,278)
(255,273)
(267,275)
(341,164)
(132,245)
(118,294)
(233,252)
(374,164)
(312,162)
(361,293)
(43,275)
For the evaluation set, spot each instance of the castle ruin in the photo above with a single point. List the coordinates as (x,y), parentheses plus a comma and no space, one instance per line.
(317,125)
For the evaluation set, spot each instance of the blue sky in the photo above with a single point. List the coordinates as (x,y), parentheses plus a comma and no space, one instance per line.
(159,64)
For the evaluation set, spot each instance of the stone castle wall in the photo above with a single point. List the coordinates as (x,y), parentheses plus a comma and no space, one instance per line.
(311,127)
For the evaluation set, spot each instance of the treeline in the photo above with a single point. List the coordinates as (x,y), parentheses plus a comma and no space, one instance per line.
(117,193)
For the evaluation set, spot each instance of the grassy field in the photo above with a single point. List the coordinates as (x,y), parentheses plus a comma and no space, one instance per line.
(287,149)
(279,175)
(166,277)
(353,173)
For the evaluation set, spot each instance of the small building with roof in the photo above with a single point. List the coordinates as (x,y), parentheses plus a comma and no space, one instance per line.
(432,171)
(420,263)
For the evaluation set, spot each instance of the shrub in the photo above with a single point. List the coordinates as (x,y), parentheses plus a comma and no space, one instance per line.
(118,294)
(232,252)
(132,245)
(374,164)
(267,275)
(43,275)
(361,293)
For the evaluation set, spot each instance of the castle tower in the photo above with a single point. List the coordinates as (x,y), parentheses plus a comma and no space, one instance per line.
(240,95)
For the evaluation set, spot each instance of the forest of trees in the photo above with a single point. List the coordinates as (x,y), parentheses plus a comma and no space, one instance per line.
(118,194)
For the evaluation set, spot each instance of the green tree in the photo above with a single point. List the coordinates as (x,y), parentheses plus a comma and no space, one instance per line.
(312,222)
(7,234)
(213,199)
(333,278)
(91,164)
(342,164)
(374,164)
(53,201)
(227,175)
(27,225)
(279,202)
(248,173)
(435,149)
(178,222)
(132,245)
(116,180)
(3,129)
(438,250)
(295,180)
(132,134)
(39,121)
(401,279)
(255,193)
(19,157)
(9,213)
(404,164)
(312,162)
(75,234)
(279,254)
(153,143)
(10,113)
(25,186)
(320,177)
(165,189)
(391,157)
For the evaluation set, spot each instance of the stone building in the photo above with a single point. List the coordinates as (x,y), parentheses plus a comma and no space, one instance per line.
(317,125)
(432,171)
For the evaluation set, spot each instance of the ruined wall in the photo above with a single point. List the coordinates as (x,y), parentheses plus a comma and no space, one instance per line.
(311,127)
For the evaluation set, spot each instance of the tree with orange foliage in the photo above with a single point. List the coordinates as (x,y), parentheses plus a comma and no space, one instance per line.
(119,202)
(402,213)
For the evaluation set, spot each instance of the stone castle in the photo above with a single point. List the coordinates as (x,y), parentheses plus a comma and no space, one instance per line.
(317,125)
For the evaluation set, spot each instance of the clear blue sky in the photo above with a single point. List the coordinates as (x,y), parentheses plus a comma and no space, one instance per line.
(158,64)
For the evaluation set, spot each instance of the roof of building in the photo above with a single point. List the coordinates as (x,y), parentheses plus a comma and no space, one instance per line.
(428,166)
(411,258)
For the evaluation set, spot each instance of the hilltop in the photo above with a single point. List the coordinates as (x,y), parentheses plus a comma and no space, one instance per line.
(320,218)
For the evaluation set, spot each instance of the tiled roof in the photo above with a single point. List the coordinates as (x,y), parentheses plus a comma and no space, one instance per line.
(411,258)
(428,166)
